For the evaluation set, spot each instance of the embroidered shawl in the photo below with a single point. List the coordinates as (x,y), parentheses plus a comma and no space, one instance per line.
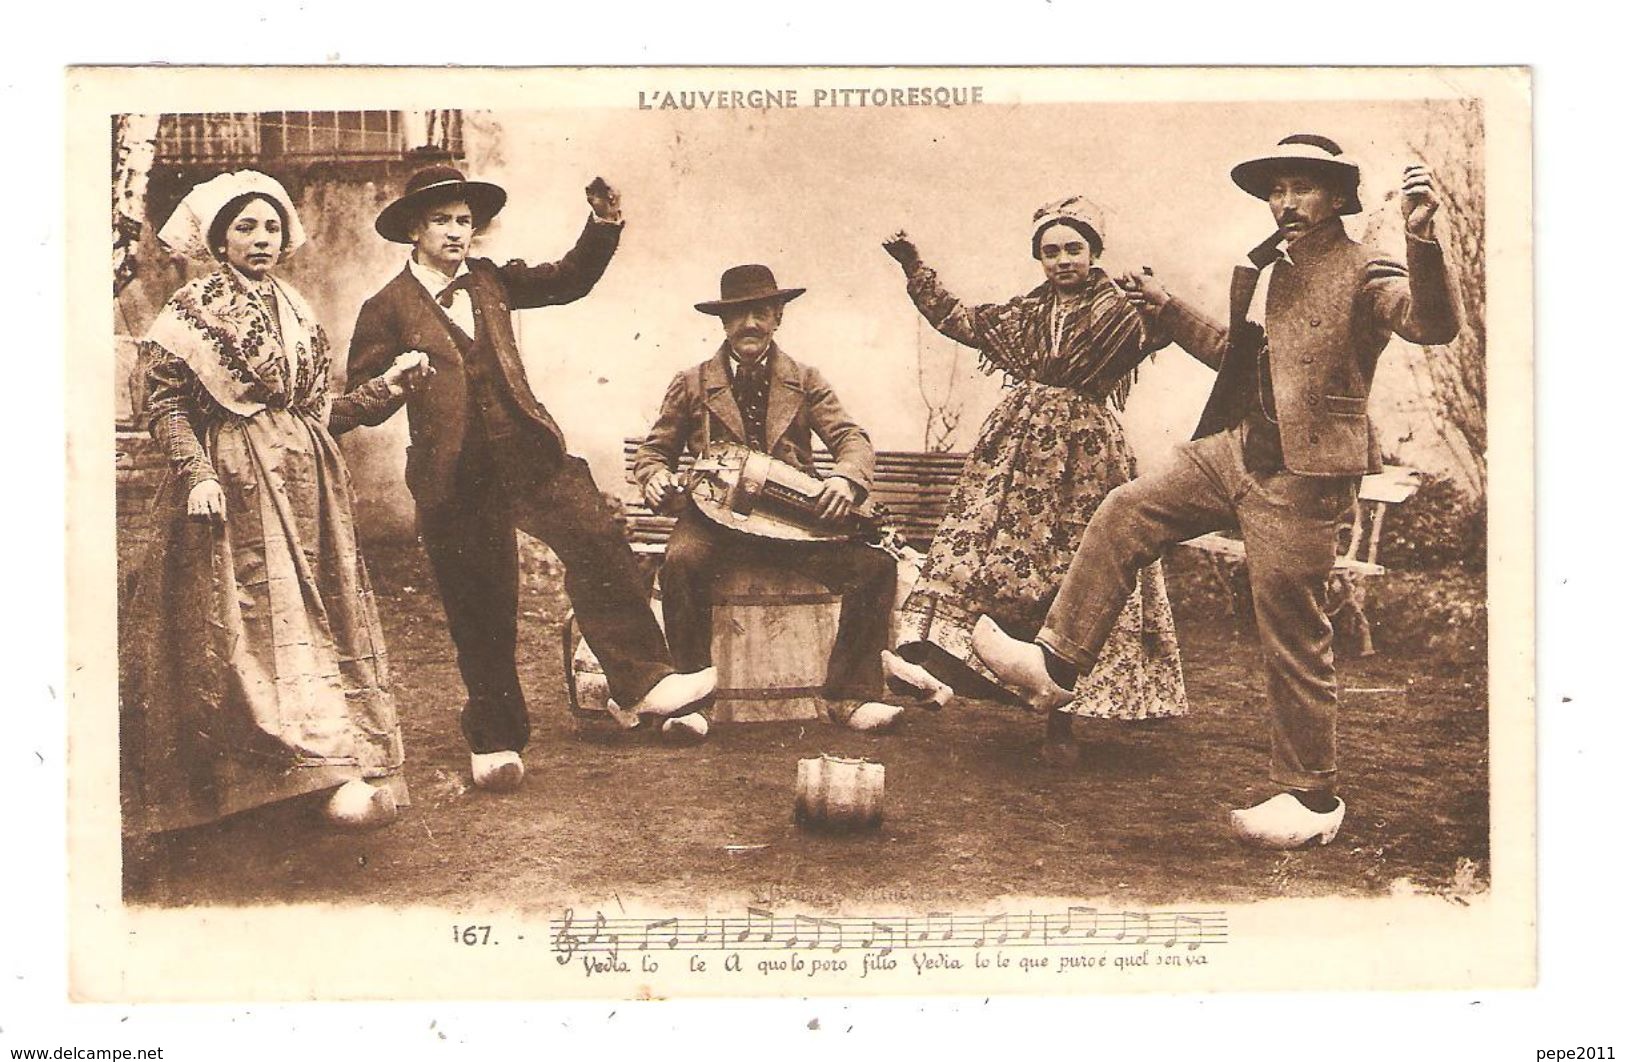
(228,337)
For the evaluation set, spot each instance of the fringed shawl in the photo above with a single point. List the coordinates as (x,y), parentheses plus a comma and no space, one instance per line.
(1093,346)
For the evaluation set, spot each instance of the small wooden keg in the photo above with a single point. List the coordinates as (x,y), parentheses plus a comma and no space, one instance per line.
(837,793)
(771,635)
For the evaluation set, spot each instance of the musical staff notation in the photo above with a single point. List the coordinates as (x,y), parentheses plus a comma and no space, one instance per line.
(759,929)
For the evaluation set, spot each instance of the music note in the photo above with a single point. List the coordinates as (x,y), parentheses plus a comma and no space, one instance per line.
(650,927)
(938,916)
(599,926)
(840,933)
(1075,918)
(1145,926)
(1002,920)
(705,930)
(754,916)
(796,936)
(876,929)
(1201,931)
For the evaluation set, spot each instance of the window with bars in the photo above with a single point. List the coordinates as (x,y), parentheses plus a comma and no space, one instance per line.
(306,136)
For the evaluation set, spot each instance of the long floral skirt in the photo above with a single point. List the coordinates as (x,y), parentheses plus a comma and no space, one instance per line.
(1045,459)
(251,661)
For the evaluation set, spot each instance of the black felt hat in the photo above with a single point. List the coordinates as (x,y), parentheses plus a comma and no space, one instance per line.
(438,184)
(747,283)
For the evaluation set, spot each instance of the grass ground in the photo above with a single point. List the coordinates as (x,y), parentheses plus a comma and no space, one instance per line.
(971,815)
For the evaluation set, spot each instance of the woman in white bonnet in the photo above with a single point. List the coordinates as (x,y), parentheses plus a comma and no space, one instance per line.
(252,664)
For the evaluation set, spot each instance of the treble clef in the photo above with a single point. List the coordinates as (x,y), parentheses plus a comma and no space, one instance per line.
(564,941)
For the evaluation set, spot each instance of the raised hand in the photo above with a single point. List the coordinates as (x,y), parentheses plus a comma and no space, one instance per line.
(1421,201)
(900,247)
(604,200)
(207,501)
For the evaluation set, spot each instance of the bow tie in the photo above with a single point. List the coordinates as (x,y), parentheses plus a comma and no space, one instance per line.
(446,293)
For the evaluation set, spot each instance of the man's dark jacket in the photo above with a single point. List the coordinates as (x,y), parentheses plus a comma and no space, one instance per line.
(700,406)
(403,316)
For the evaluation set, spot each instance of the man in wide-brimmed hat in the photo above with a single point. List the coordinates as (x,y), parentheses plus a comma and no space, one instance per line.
(751,392)
(1278,453)
(487,458)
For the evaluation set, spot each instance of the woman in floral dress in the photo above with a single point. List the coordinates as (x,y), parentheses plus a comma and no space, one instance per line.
(1044,461)
(252,665)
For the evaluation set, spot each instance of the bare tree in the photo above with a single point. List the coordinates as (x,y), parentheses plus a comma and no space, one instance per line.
(134,142)
(1451,142)
(944,403)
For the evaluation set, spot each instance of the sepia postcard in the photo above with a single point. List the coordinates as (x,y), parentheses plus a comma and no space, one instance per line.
(692,532)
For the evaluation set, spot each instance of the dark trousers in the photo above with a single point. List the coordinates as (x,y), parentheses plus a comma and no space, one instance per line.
(698,551)
(1289,524)
(475,556)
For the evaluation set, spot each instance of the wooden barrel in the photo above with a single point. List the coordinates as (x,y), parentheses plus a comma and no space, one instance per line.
(771,635)
(837,793)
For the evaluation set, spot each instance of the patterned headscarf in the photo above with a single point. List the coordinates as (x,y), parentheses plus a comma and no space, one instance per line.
(187,230)
(1075,211)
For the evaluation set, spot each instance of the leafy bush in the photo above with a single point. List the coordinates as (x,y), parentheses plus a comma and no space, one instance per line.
(1443,614)
(1439,527)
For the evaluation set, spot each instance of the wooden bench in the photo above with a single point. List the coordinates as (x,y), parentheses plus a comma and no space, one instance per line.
(1356,562)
